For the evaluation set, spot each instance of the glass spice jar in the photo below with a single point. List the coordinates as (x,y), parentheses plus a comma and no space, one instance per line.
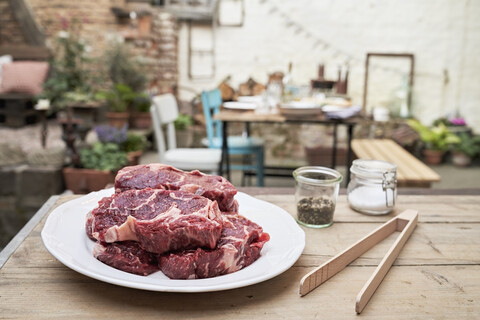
(373,186)
(316,192)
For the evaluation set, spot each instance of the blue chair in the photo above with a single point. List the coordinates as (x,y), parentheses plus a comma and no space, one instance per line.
(237,145)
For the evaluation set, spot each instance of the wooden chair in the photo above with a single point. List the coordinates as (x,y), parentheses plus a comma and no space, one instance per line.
(164,112)
(237,145)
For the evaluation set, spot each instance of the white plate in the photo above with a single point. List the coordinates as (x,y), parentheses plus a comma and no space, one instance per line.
(300,108)
(250,99)
(64,237)
(239,105)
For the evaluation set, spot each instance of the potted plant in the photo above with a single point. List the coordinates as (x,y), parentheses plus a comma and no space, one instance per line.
(134,146)
(141,117)
(436,139)
(131,143)
(70,83)
(99,165)
(129,81)
(119,100)
(184,136)
(465,150)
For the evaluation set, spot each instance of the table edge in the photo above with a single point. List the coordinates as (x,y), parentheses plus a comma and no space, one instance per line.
(26,230)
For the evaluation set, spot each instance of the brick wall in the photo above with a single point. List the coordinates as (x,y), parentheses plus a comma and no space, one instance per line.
(9,28)
(157,51)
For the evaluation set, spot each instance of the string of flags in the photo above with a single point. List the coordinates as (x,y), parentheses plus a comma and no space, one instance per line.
(320,43)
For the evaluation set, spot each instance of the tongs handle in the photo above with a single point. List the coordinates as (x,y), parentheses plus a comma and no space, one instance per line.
(404,222)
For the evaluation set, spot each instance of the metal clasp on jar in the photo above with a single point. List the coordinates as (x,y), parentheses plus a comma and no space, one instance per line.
(389,183)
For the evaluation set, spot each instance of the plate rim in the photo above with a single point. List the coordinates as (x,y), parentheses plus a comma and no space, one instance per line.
(226,285)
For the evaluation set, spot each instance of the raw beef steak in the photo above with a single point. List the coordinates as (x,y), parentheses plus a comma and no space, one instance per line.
(127,256)
(159,176)
(160,220)
(238,247)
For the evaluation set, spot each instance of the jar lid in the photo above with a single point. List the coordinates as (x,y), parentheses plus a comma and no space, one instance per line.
(372,168)
(317,175)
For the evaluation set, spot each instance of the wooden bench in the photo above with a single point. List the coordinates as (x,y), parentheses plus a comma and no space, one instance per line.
(411,172)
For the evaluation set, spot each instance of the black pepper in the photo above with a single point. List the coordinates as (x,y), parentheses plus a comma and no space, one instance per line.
(315,211)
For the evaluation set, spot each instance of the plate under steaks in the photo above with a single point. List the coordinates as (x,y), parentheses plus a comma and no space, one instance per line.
(65,238)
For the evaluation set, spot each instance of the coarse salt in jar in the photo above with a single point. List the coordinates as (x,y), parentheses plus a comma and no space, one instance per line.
(373,186)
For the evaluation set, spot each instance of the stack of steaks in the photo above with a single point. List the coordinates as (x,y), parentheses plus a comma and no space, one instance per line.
(185,224)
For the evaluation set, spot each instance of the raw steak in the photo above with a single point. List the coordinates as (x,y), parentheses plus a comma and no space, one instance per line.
(126,256)
(159,176)
(239,246)
(160,220)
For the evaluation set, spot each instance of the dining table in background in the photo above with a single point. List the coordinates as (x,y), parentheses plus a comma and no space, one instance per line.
(247,117)
(436,275)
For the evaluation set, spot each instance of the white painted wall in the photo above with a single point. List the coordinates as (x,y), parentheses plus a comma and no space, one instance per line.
(444,36)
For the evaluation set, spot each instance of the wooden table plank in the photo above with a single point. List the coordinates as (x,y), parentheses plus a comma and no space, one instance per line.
(436,275)
(407,292)
(432,209)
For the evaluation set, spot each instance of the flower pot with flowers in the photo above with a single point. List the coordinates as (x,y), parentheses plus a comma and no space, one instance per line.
(70,83)
(131,143)
(436,139)
(99,164)
(465,150)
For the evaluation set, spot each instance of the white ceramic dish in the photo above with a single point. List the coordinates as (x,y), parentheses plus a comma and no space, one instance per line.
(300,108)
(239,105)
(64,237)
(250,99)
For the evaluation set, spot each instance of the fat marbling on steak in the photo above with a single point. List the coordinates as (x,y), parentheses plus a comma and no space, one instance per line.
(239,246)
(159,176)
(159,220)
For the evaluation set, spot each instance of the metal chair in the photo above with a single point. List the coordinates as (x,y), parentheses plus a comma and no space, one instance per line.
(164,111)
(237,145)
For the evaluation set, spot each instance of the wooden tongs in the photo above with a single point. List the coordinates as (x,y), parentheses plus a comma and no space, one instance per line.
(404,223)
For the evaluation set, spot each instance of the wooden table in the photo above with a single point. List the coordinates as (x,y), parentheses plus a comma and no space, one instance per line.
(227,116)
(437,274)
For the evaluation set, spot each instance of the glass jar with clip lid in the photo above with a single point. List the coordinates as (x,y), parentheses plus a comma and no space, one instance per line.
(373,186)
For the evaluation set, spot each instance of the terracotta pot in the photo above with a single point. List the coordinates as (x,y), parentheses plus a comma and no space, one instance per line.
(81,181)
(184,138)
(433,157)
(117,119)
(134,157)
(142,120)
(461,159)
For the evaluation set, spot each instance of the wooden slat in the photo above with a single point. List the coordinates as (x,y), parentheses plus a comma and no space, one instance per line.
(25,52)
(410,169)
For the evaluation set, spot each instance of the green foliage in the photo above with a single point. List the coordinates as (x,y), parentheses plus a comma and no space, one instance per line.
(69,79)
(469,145)
(103,156)
(142,104)
(122,68)
(134,142)
(183,121)
(119,97)
(437,137)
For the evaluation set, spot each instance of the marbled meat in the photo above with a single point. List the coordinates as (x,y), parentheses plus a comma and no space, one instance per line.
(239,246)
(159,220)
(159,176)
(127,256)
